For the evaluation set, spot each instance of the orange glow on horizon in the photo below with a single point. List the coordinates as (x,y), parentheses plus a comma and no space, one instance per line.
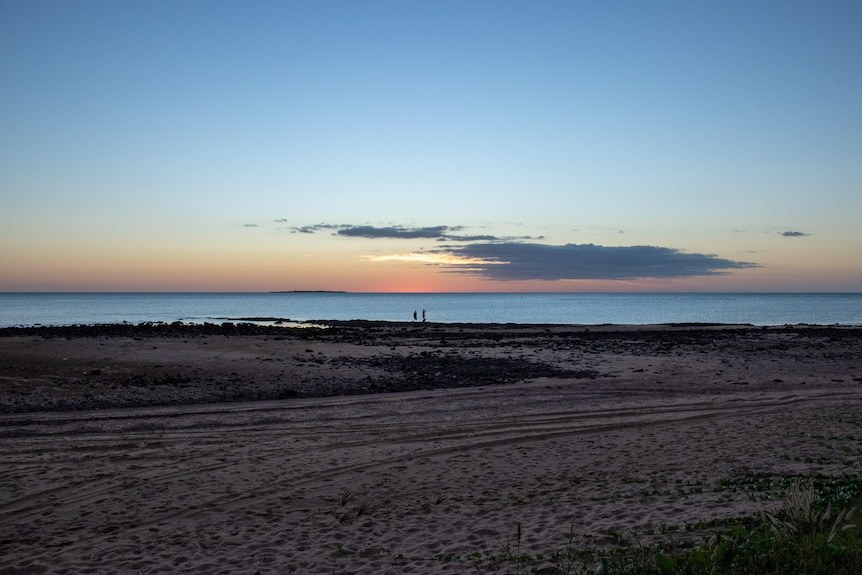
(235,268)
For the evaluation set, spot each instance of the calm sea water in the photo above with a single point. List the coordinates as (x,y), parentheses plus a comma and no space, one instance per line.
(27,309)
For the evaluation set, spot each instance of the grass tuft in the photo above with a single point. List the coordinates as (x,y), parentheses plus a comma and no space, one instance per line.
(365,506)
(347,496)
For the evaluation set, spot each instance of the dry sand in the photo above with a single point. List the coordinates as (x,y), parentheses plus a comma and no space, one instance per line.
(603,433)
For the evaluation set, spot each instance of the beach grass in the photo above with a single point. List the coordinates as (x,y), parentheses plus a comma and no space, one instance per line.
(815,531)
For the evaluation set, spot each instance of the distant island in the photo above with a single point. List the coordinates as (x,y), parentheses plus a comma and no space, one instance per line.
(308,291)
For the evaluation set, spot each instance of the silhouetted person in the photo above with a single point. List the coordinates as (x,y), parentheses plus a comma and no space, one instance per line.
(414,315)
(423,315)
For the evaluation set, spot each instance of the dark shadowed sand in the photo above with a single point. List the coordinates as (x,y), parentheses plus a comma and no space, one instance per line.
(371,447)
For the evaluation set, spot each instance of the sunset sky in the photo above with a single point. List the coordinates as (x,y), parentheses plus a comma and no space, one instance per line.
(430,146)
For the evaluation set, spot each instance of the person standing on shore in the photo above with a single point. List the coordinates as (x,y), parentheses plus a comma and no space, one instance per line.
(423,315)
(414,315)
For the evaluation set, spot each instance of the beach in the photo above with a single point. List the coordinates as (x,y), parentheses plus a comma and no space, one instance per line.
(384,447)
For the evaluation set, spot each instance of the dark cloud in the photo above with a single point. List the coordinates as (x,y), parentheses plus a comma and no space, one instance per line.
(480,238)
(487,238)
(316,228)
(794,234)
(519,258)
(439,233)
(524,261)
(396,232)
(249,225)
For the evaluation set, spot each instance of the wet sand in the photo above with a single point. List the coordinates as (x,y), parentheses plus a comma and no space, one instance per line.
(371,447)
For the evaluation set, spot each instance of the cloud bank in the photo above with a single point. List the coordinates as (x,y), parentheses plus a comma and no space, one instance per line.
(524,258)
(522,261)
(794,234)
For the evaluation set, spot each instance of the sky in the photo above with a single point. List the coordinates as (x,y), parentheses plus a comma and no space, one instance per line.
(454,146)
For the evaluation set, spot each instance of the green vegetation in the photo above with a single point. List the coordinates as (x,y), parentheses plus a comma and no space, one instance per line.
(814,532)
(807,536)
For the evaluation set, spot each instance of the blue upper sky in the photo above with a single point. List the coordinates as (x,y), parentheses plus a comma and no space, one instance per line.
(312,145)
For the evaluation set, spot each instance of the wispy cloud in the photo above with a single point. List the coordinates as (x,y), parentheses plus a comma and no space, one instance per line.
(396,232)
(316,228)
(488,238)
(434,258)
(794,234)
(529,261)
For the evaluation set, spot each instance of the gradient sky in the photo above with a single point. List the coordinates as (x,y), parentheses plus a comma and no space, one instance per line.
(430,146)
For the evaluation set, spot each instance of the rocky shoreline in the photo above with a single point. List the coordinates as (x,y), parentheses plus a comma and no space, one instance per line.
(125,365)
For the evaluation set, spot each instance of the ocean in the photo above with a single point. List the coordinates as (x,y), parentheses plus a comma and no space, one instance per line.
(29,309)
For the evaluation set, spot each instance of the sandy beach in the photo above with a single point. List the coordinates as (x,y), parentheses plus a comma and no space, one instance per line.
(370,447)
